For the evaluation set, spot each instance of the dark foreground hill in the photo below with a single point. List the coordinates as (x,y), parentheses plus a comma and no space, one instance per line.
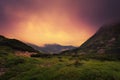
(105,40)
(15,44)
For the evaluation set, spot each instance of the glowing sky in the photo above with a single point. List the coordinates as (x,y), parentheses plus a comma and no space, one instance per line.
(66,22)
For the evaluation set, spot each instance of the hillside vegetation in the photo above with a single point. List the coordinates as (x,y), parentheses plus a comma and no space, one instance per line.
(57,67)
(15,44)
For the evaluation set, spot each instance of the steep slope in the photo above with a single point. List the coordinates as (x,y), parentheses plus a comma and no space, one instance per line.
(15,44)
(105,40)
(52,48)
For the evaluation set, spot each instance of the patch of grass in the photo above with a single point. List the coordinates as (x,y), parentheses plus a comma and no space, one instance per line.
(84,67)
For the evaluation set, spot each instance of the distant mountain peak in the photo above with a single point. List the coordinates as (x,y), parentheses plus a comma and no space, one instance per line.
(52,48)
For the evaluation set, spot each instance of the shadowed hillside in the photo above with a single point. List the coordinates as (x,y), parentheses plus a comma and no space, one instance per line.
(106,40)
(15,44)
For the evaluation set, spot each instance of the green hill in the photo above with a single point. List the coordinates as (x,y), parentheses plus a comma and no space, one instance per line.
(15,44)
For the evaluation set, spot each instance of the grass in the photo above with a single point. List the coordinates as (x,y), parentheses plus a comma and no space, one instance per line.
(58,68)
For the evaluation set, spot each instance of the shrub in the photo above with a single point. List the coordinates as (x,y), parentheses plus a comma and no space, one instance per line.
(14,61)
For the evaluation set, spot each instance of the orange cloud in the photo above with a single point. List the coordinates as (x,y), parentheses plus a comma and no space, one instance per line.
(54,24)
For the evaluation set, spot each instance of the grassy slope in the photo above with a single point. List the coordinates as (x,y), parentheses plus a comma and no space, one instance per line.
(57,68)
(15,44)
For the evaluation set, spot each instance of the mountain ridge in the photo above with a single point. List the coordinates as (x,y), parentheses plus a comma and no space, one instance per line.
(51,48)
(15,44)
(105,40)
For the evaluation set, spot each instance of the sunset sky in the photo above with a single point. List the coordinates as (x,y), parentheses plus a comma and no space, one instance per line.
(65,22)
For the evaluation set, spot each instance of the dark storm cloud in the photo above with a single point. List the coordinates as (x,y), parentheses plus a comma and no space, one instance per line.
(91,11)
(98,11)
(8,8)
(5,17)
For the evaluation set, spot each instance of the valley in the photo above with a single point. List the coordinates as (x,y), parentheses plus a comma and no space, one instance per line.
(59,39)
(94,60)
